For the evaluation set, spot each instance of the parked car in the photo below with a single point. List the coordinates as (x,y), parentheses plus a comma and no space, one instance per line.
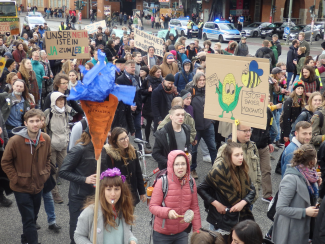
(181,26)
(293,31)
(275,28)
(307,31)
(320,26)
(33,21)
(221,31)
(254,29)
(36,14)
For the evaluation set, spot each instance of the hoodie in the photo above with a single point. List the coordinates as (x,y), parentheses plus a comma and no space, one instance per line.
(27,162)
(168,68)
(182,78)
(58,123)
(241,49)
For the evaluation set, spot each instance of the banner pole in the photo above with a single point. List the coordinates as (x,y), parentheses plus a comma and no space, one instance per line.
(96,200)
(234,132)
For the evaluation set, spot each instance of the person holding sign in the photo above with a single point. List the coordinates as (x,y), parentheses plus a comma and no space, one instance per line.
(151,59)
(115,213)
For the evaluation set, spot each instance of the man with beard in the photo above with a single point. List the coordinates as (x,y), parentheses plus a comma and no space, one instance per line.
(13,106)
(303,135)
(161,99)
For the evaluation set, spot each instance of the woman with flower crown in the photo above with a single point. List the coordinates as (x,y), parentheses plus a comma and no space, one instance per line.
(115,212)
(121,154)
(79,167)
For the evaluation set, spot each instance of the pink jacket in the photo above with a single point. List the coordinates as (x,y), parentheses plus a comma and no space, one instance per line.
(179,198)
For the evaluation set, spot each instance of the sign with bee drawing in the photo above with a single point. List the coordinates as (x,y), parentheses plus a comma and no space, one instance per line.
(237,88)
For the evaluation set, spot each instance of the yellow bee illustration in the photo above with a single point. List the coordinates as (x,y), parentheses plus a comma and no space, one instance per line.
(251,76)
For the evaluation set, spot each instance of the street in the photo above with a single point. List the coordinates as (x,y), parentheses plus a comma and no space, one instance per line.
(10,218)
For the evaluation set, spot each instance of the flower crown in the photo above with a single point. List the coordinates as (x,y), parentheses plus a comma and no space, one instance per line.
(112,173)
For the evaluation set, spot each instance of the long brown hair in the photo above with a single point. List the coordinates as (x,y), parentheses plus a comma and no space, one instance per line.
(126,153)
(10,76)
(123,206)
(153,70)
(23,70)
(66,67)
(312,74)
(309,107)
(295,98)
(226,154)
(84,139)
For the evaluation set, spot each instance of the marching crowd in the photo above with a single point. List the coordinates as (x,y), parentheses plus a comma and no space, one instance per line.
(38,149)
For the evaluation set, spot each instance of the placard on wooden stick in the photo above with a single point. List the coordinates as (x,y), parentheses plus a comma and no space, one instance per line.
(67,44)
(237,88)
(143,41)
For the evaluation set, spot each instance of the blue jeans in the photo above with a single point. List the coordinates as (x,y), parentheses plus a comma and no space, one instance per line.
(297,77)
(49,208)
(72,25)
(289,77)
(179,238)
(28,206)
(273,130)
(209,138)
(137,125)
(279,112)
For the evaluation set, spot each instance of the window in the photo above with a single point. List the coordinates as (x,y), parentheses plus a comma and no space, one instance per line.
(216,26)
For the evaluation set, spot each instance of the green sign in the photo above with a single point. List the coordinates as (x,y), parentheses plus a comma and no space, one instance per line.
(8,19)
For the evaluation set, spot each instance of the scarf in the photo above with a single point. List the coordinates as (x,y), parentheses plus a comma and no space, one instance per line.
(173,90)
(311,177)
(171,135)
(184,179)
(60,110)
(133,80)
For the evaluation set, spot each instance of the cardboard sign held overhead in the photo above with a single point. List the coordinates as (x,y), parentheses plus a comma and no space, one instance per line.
(144,40)
(92,28)
(68,44)
(237,88)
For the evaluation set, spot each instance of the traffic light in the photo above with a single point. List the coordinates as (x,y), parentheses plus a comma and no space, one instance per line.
(199,7)
(312,9)
(82,5)
(77,4)
(274,8)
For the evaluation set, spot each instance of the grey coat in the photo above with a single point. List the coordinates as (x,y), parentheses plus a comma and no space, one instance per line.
(3,135)
(291,224)
(84,231)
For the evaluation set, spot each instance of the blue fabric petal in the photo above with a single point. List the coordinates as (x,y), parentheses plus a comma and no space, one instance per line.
(99,82)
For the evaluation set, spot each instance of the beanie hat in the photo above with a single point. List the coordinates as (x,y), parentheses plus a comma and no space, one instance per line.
(171,47)
(170,78)
(276,70)
(173,52)
(297,84)
(9,62)
(145,68)
(185,93)
(8,54)
(323,45)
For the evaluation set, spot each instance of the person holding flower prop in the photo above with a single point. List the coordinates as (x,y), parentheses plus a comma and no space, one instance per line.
(115,212)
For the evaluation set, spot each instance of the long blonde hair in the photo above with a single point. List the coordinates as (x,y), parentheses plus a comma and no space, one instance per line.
(310,107)
(66,67)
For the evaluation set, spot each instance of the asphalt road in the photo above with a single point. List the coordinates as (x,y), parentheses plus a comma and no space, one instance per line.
(11,227)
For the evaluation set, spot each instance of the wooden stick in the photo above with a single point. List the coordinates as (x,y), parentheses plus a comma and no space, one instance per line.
(234,132)
(96,200)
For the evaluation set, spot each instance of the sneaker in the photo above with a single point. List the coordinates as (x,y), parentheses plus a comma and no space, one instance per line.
(269,199)
(207,158)
(56,228)
(278,144)
(5,202)
(194,174)
(148,146)
(147,151)
(272,158)
(57,198)
(268,237)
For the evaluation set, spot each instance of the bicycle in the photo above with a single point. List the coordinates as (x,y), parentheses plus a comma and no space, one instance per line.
(142,160)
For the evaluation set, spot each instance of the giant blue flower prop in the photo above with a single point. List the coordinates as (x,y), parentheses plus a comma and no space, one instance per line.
(99,82)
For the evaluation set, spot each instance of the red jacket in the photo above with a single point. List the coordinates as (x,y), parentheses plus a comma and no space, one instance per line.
(18,56)
(179,198)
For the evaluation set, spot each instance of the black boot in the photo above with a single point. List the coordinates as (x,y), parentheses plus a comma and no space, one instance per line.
(56,228)
(5,202)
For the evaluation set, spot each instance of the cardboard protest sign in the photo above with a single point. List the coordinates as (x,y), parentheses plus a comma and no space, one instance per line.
(144,40)
(237,88)
(92,28)
(9,25)
(67,44)
(2,64)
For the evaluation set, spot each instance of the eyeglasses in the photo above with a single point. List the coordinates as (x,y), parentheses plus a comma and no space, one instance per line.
(247,131)
(179,165)
(65,83)
(124,139)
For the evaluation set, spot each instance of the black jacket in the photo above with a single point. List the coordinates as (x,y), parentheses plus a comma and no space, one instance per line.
(29,32)
(175,37)
(291,55)
(131,170)
(319,230)
(290,114)
(124,80)
(154,83)
(321,163)
(56,66)
(99,42)
(123,118)
(198,101)
(161,148)
(209,194)
(76,167)
(262,137)
(260,53)
(73,104)
(110,53)
(160,103)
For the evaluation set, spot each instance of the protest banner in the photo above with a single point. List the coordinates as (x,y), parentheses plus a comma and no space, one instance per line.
(237,90)
(144,40)
(92,28)
(9,25)
(68,44)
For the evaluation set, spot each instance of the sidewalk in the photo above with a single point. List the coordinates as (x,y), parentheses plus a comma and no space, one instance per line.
(84,22)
